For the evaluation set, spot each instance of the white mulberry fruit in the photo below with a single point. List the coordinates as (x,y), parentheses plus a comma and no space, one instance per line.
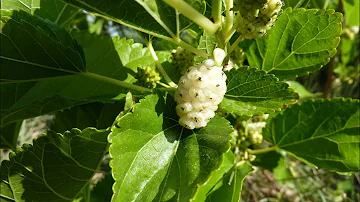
(256,17)
(199,93)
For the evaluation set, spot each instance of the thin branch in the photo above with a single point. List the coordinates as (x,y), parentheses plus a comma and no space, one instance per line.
(156,18)
(188,11)
(236,43)
(230,33)
(116,82)
(177,24)
(158,64)
(229,4)
(216,11)
(261,151)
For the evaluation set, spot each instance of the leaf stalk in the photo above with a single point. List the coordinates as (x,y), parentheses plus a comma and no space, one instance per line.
(194,15)
(262,151)
(229,4)
(117,82)
(158,64)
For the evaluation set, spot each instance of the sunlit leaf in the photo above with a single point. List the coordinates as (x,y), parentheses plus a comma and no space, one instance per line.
(253,92)
(164,159)
(301,42)
(55,168)
(324,133)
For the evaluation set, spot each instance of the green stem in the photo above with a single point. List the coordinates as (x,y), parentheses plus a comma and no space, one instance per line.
(236,43)
(164,85)
(216,11)
(262,151)
(177,24)
(229,4)
(194,15)
(167,89)
(117,82)
(193,50)
(156,17)
(158,64)
(230,33)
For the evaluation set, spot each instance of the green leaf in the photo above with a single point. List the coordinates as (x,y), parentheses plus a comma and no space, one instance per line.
(97,115)
(352,13)
(301,42)
(324,133)
(163,156)
(29,42)
(197,157)
(55,168)
(281,172)
(117,60)
(253,92)
(232,184)
(267,160)
(211,184)
(207,44)
(56,11)
(9,134)
(303,92)
(152,17)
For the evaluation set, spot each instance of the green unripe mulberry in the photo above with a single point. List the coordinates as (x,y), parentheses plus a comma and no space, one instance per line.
(255,18)
(182,59)
(148,76)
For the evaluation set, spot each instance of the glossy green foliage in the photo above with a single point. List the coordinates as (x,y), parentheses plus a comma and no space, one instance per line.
(54,79)
(324,133)
(217,176)
(231,184)
(301,42)
(152,17)
(164,160)
(56,11)
(253,92)
(55,168)
(9,134)
(97,115)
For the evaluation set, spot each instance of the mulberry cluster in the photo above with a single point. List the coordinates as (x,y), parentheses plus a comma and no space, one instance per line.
(200,91)
(256,17)
(182,59)
(148,76)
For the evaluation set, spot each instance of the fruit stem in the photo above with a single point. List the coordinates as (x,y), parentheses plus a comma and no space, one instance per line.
(236,43)
(230,33)
(117,82)
(194,15)
(229,4)
(163,84)
(216,12)
(158,64)
(193,50)
(262,151)
(177,24)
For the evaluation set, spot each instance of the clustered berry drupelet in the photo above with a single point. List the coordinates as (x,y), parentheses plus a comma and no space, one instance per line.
(148,76)
(182,59)
(256,17)
(199,93)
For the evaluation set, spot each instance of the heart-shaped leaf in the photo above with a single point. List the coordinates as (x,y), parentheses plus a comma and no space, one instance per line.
(301,42)
(149,150)
(55,168)
(253,92)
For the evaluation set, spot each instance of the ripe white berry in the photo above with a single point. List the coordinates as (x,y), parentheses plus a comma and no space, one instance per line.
(200,91)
